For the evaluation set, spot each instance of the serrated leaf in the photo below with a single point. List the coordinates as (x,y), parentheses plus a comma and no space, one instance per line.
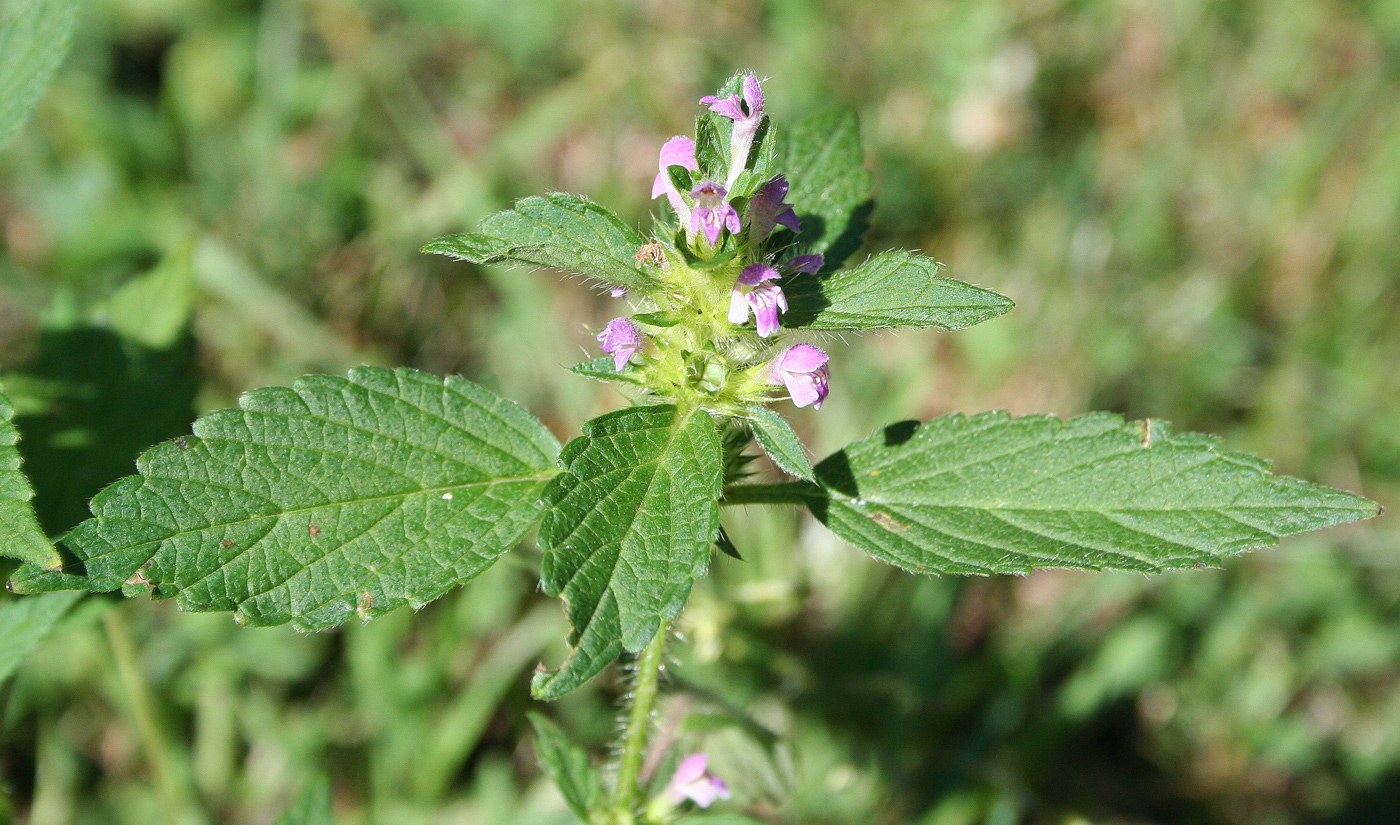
(34,38)
(310,504)
(21,537)
(602,369)
(26,622)
(312,805)
(894,289)
(824,161)
(629,528)
(153,309)
(569,766)
(996,494)
(559,231)
(777,439)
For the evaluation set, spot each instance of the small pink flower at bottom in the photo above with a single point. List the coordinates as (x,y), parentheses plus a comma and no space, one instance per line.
(766,301)
(621,340)
(693,782)
(802,369)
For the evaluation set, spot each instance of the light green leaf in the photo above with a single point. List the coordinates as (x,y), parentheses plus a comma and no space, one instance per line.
(603,369)
(895,289)
(825,165)
(34,38)
(312,805)
(21,537)
(777,439)
(154,309)
(559,231)
(310,504)
(996,494)
(629,528)
(568,765)
(26,622)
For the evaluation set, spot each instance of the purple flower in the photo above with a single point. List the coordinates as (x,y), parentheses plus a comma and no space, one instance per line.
(712,212)
(810,264)
(802,369)
(746,117)
(678,151)
(621,340)
(694,783)
(618,292)
(766,301)
(767,210)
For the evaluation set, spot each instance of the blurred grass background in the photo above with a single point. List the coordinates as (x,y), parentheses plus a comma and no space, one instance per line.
(1195,205)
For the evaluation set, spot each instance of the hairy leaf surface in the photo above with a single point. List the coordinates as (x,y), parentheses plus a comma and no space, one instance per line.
(894,289)
(310,504)
(996,494)
(777,439)
(20,534)
(825,164)
(629,528)
(559,231)
(34,37)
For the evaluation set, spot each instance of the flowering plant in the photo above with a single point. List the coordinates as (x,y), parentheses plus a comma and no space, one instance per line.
(343,497)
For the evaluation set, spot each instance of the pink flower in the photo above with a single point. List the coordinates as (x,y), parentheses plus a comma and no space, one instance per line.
(766,301)
(802,369)
(713,213)
(810,264)
(694,783)
(621,340)
(746,116)
(767,210)
(678,151)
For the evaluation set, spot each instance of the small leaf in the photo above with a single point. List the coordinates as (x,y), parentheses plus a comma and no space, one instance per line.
(34,38)
(629,528)
(311,504)
(895,289)
(726,545)
(777,439)
(680,178)
(312,805)
(996,494)
(20,535)
(603,370)
(657,319)
(825,164)
(568,765)
(154,309)
(559,231)
(26,622)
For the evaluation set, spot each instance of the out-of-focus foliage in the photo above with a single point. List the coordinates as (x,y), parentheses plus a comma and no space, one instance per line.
(1192,204)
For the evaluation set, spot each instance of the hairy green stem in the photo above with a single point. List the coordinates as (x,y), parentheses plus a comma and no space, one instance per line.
(790,492)
(639,724)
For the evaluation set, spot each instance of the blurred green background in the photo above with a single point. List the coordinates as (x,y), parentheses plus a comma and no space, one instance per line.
(1195,205)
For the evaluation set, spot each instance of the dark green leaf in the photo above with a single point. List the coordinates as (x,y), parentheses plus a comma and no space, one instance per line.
(568,765)
(726,545)
(310,504)
(825,165)
(895,289)
(312,805)
(20,535)
(996,494)
(603,370)
(26,622)
(34,37)
(560,231)
(778,440)
(629,528)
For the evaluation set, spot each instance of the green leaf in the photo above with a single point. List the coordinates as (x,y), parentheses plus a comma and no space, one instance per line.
(603,370)
(777,439)
(154,309)
(21,537)
(34,37)
(310,504)
(895,289)
(559,231)
(26,622)
(312,805)
(568,765)
(996,494)
(629,528)
(719,819)
(830,187)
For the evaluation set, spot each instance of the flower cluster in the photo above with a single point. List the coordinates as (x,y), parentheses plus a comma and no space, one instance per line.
(724,266)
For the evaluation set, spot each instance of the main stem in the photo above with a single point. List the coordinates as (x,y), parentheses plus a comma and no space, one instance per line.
(639,724)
